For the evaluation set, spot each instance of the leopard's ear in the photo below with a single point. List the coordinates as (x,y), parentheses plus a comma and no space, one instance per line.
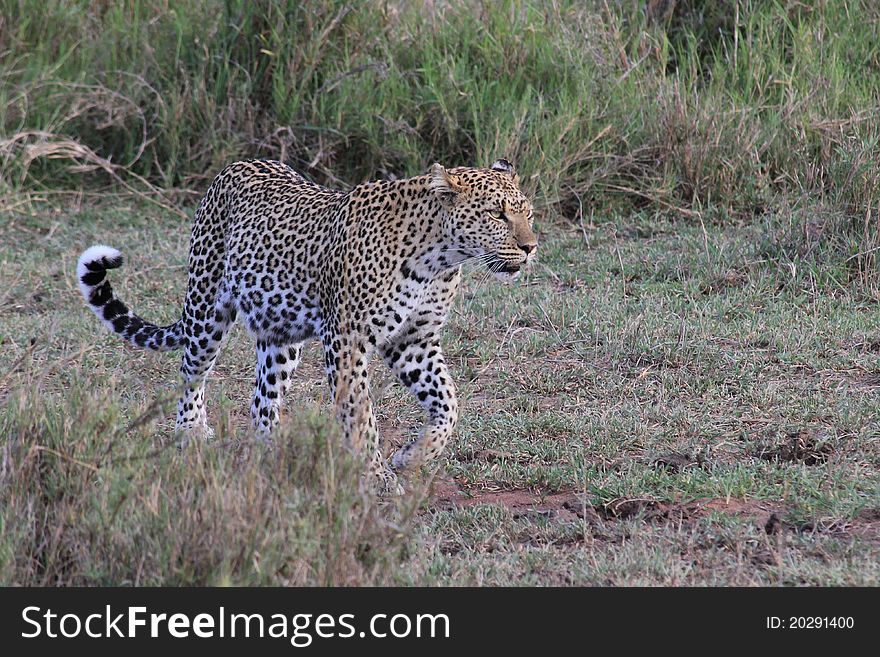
(445,185)
(504,166)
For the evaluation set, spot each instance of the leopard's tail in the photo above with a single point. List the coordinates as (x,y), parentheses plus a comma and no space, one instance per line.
(92,275)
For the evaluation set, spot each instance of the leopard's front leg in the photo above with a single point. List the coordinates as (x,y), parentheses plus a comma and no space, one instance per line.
(417,360)
(415,357)
(346,360)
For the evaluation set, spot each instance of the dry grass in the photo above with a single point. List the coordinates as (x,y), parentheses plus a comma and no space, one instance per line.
(689,108)
(92,498)
(665,405)
(683,391)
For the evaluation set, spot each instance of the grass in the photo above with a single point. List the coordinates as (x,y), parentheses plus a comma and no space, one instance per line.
(701,109)
(621,425)
(682,391)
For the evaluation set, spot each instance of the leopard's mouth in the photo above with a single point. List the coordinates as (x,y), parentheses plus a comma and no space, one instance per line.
(500,266)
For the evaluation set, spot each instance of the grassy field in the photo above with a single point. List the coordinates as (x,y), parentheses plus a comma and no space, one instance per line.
(690,105)
(685,389)
(652,404)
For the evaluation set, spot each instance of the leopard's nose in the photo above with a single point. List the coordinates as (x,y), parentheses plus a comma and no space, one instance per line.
(528,248)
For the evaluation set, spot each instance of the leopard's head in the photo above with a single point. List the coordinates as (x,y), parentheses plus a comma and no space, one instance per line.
(487,217)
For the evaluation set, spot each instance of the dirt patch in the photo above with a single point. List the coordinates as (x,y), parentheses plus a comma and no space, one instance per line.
(864,526)
(678,461)
(732,278)
(624,508)
(868,379)
(639,365)
(760,512)
(766,515)
(807,446)
(496,456)
(872,346)
(447,494)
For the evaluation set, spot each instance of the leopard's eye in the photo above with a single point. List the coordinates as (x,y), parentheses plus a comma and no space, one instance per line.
(499,216)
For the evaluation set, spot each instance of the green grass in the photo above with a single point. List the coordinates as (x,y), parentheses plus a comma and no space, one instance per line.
(682,391)
(651,397)
(712,109)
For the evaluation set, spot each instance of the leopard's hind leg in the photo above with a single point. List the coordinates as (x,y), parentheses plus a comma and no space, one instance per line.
(208,310)
(200,352)
(276,366)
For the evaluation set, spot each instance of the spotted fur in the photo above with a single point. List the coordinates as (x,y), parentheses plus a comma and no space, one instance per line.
(372,270)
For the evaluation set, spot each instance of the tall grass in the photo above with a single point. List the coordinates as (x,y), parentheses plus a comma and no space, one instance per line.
(742,110)
(689,108)
(671,105)
(87,499)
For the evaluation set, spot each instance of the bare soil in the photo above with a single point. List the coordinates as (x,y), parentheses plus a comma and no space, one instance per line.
(448,494)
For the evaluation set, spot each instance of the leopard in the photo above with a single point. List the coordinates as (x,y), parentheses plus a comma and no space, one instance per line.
(370,271)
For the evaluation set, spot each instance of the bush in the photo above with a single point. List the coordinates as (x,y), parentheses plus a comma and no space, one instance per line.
(693,108)
(84,502)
